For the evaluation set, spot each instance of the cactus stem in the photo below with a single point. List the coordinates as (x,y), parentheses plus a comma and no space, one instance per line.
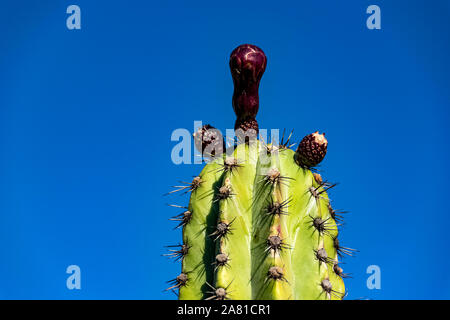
(341,251)
(279,201)
(178,255)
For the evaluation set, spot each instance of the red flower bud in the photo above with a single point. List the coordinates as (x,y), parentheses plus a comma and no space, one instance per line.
(247,64)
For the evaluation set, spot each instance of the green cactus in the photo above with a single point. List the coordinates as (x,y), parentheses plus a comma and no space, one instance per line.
(259,224)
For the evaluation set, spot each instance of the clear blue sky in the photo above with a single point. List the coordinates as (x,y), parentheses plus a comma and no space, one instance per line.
(86,119)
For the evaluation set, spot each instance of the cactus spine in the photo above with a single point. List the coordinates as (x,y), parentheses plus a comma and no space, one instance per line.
(259,224)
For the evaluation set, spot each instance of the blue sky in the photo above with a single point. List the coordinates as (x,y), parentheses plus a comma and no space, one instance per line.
(86,119)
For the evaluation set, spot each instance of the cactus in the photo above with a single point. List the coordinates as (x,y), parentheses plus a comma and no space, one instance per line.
(259,224)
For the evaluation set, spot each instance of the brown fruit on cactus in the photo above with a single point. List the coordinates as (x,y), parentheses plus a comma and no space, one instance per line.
(209,141)
(312,150)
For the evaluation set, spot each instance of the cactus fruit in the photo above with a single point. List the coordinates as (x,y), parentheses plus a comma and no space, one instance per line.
(247,64)
(259,224)
(312,150)
(209,141)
